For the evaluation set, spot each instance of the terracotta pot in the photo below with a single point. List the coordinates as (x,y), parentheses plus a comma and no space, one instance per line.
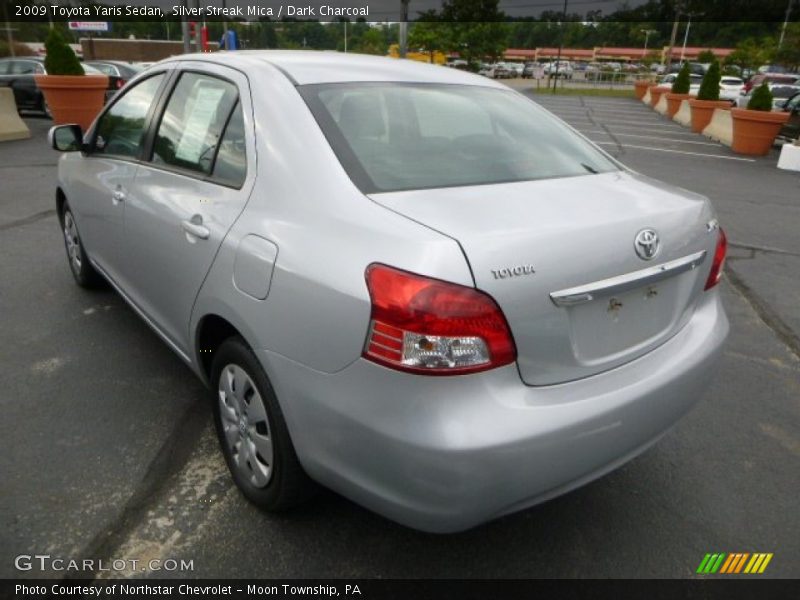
(703,110)
(655,94)
(754,131)
(674,102)
(73,98)
(640,87)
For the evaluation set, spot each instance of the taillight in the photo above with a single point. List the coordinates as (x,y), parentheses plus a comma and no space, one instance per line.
(433,327)
(719,261)
(120,83)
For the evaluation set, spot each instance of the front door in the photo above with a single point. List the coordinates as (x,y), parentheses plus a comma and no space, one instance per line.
(107,173)
(188,193)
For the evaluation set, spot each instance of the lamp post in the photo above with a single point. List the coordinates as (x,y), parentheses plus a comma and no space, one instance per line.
(647,33)
(785,21)
(686,36)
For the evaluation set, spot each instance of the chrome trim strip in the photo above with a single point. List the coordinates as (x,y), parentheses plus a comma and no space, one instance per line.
(622,283)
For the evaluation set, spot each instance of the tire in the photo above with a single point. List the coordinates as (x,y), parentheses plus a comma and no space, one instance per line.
(79,265)
(252,431)
(44,108)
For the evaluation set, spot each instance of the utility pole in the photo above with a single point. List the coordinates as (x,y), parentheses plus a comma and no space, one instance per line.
(560,45)
(686,36)
(403,28)
(785,21)
(673,36)
(185,30)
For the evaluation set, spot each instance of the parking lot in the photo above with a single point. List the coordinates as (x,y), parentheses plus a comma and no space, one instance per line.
(109,452)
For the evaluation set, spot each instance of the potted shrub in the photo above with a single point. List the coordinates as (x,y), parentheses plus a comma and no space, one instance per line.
(756,127)
(707,99)
(640,87)
(73,97)
(655,93)
(679,92)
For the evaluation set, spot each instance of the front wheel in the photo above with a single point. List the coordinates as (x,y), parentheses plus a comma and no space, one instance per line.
(252,432)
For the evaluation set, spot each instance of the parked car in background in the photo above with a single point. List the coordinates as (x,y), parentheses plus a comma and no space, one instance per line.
(18,74)
(529,69)
(446,319)
(122,72)
(730,87)
(495,71)
(780,93)
(658,68)
(694,81)
(791,129)
(759,78)
(561,68)
(694,67)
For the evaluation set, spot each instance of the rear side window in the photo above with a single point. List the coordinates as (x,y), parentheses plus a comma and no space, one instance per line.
(230,167)
(192,127)
(121,128)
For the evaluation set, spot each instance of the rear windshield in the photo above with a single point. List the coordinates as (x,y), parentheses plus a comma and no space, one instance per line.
(392,136)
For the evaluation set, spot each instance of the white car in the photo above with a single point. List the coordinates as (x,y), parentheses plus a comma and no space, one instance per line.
(730,88)
(559,69)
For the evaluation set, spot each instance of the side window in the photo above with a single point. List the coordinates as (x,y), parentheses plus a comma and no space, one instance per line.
(230,167)
(23,67)
(121,128)
(191,128)
(106,69)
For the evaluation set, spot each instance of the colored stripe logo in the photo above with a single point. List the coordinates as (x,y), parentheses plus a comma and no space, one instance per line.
(734,563)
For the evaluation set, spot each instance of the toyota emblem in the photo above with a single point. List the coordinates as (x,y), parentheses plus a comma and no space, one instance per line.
(646,244)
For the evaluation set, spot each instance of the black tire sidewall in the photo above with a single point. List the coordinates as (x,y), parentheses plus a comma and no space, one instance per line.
(280,491)
(87,277)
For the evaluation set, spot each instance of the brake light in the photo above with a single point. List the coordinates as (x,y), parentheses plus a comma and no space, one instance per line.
(432,327)
(120,83)
(719,261)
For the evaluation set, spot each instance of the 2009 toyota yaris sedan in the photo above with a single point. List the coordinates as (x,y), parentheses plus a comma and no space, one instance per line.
(407,283)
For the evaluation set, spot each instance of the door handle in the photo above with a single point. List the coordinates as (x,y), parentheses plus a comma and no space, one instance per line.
(118,196)
(195,227)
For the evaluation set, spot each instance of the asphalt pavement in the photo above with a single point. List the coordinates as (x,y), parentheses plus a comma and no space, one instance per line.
(108,450)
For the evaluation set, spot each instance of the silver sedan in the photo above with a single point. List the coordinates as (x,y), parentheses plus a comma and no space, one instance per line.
(406,283)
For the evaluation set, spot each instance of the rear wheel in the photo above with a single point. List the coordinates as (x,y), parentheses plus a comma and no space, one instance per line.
(83,272)
(252,432)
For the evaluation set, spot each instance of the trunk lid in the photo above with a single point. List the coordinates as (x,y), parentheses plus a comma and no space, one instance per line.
(558,256)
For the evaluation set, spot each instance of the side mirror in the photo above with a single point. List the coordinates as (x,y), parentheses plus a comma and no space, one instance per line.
(66,138)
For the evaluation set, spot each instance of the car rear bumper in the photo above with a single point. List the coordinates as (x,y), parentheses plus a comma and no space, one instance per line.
(443,454)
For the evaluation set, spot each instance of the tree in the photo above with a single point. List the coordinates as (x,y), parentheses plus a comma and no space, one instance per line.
(428,36)
(789,54)
(709,89)
(475,29)
(752,53)
(60,58)
(761,99)
(682,82)
(706,56)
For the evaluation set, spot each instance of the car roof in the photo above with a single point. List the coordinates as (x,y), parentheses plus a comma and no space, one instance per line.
(305,67)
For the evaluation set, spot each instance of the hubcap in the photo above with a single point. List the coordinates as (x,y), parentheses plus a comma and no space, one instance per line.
(245,424)
(73,242)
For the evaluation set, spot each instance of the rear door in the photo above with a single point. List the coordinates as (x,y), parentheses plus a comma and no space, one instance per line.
(188,192)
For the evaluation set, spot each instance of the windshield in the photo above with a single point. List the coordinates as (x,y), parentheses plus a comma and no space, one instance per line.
(393,136)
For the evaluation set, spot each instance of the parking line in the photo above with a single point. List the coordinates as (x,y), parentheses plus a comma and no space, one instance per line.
(677,151)
(657,138)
